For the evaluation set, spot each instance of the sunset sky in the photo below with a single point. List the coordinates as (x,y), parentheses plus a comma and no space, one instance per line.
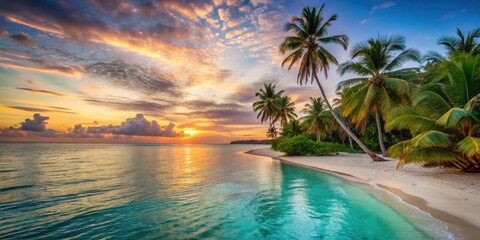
(175,71)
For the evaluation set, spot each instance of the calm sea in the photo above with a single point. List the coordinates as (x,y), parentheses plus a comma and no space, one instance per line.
(121,191)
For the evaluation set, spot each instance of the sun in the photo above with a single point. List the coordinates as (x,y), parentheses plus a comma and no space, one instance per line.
(189,131)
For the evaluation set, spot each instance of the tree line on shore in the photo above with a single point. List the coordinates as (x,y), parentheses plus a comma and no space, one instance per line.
(429,114)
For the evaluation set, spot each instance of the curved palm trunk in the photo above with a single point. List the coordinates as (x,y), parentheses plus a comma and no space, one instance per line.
(380,133)
(345,128)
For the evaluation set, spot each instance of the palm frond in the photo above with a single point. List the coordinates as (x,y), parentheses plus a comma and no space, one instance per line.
(432,138)
(350,82)
(453,117)
(469,146)
(430,155)
(407,118)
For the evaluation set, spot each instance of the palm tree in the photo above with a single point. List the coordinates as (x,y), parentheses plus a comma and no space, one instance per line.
(272,132)
(318,119)
(305,47)
(381,85)
(444,118)
(293,128)
(266,106)
(458,44)
(285,110)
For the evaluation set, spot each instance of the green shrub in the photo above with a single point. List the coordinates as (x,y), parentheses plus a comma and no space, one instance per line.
(305,145)
(275,142)
(328,148)
(296,146)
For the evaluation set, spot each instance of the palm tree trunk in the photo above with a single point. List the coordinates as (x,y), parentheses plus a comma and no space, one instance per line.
(380,133)
(345,128)
(351,143)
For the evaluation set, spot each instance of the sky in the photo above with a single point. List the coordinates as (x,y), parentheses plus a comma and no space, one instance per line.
(176,71)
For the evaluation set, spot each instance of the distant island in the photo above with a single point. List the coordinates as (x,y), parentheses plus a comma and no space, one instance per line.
(266,141)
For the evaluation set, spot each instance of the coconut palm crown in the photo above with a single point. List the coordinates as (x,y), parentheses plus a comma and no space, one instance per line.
(285,110)
(456,44)
(267,106)
(318,119)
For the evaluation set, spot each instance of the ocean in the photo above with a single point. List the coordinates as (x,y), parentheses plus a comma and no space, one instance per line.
(143,191)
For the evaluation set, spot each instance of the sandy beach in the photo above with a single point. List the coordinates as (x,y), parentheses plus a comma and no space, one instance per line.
(446,194)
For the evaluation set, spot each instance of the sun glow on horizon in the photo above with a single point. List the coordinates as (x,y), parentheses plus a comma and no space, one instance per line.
(190,132)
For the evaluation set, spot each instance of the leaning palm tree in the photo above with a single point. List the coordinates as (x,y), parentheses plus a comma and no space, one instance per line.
(444,118)
(266,106)
(381,85)
(456,44)
(306,47)
(285,110)
(318,119)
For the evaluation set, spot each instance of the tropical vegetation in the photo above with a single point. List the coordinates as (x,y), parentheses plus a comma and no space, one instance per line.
(426,113)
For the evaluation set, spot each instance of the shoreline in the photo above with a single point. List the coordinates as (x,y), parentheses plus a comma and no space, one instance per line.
(447,195)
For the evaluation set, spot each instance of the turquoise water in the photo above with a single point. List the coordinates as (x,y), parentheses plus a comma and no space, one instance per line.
(85,191)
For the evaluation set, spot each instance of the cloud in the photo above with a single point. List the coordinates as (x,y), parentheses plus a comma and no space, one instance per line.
(234,2)
(22,38)
(34,109)
(364,21)
(43,66)
(454,14)
(137,126)
(37,124)
(41,91)
(134,77)
(175,36)
(383,5)
(218,2)
(257,2)
(231,23)
(220,113)
(128,104)
(224,14)
(235,33)
(245,93)
(4,33)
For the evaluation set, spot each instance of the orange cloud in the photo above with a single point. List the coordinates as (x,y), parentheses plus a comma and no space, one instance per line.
(68,72)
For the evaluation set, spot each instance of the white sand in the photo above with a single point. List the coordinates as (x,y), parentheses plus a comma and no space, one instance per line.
(447,194)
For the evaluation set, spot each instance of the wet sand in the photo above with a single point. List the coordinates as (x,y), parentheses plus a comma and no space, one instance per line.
(446,194)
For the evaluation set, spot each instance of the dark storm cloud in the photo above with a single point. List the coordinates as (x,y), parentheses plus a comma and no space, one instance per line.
(130,104)
(41,91)
(37,124)
(137,126)
(22,38)
(134,77)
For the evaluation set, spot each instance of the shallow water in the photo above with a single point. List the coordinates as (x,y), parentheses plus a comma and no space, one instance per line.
(51,191)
